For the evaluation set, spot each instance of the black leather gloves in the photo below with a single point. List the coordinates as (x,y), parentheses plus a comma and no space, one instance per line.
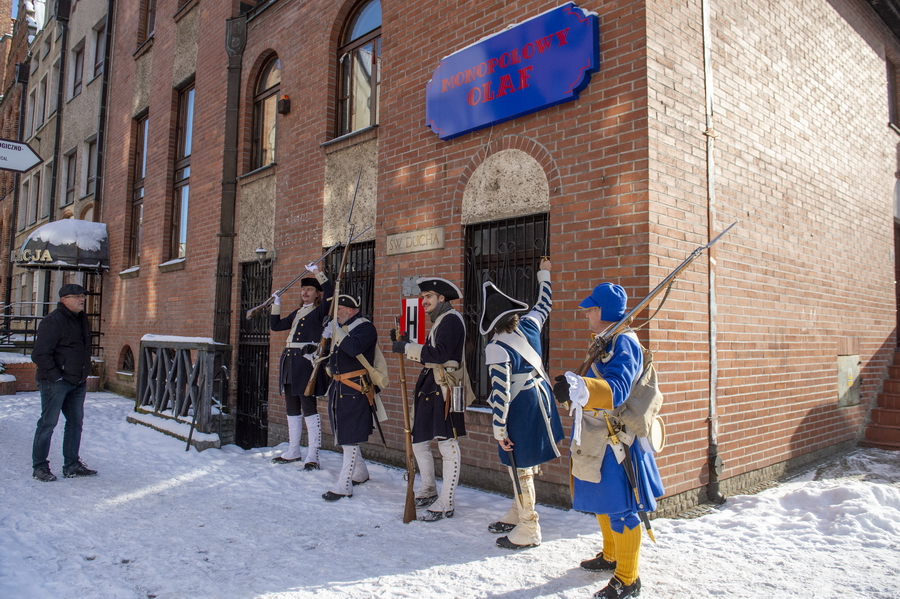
(561,389)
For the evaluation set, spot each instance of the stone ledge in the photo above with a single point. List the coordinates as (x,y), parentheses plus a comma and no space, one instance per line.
(175,428)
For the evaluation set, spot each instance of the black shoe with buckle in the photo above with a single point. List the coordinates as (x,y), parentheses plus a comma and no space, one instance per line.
(500,527)
(430,516)
(309,466)
(281,460)
(43,475)
(505,543)
(616,589)
(356,483)
(77,470)
(598,564)
(425,501)
(329,496)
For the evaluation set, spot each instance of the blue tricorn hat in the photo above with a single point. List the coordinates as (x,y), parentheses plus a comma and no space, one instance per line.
(611,300)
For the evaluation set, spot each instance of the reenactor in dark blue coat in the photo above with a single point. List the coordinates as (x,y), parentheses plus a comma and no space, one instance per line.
(350,392)
(296,367)
(442,356)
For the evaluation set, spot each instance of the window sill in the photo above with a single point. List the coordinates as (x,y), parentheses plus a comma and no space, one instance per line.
(350,139)
(260,173)
(185,8)
(172,265)
(143,48)
(125,376)
(130,273)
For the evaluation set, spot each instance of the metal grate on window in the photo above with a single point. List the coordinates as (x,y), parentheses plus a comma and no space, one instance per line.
(358,279)
(508,253)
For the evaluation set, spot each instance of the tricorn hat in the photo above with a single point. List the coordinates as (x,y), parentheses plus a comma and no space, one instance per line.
(611,300)
(496,305)
(71,289)
(439,286)
(348,301)
(311,282)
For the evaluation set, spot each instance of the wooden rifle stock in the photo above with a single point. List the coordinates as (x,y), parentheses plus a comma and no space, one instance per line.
(323,342)
(409,508)
(601,341)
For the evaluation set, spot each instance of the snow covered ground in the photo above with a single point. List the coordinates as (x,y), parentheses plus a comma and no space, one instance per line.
(162,522)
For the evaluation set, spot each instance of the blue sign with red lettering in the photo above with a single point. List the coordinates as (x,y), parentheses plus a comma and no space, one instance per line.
(541,62)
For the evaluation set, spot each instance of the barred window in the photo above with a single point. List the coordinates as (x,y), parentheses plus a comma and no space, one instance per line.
(358,278)
(507,253)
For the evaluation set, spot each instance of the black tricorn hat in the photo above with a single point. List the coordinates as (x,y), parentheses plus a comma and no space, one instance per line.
(496,305)
(311,282)
(439,286)
(348,301)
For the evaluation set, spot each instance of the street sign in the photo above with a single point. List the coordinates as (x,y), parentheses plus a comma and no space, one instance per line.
(17,156)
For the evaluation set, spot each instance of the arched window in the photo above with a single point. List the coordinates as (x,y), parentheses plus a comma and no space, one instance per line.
(264,112)
(359,59)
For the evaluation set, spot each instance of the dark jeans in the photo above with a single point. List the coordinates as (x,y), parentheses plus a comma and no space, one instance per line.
(61,396)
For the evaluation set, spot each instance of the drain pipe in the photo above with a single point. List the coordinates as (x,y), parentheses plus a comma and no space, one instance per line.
(715,464)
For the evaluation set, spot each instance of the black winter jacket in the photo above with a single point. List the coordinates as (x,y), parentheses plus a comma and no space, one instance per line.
(63,346)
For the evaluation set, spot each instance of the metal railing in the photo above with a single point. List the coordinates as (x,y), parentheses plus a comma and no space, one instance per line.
(183,380)
(19,323)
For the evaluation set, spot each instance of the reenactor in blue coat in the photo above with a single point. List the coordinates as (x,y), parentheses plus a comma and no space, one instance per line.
(442,356)
(606,490)
(526,421)
(296,366)
(350,392)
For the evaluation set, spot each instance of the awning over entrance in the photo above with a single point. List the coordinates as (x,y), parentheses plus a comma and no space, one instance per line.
(66,245)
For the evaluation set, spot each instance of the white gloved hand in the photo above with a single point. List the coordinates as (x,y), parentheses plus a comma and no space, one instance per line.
(311,357)
(313,268)
(329,329)
(277,299)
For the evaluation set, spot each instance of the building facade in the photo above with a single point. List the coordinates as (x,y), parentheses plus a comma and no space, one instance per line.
(241,127)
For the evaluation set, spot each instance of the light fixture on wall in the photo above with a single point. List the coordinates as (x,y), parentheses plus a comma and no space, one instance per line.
(262,256)
(283,106)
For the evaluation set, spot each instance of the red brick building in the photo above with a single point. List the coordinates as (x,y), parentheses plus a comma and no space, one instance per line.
(771,350)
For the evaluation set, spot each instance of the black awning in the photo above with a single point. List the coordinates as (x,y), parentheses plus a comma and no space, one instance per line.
(67,244)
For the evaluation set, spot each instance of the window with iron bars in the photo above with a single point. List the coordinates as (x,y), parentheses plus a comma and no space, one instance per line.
(507,253)
(358,278)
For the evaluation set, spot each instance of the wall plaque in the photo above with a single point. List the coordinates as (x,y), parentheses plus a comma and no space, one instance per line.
(416,241)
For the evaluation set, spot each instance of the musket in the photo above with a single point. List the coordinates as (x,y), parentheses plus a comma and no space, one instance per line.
(252,311)
(409,508)
(629,472)
(602,340)
(516,483)
(323,342)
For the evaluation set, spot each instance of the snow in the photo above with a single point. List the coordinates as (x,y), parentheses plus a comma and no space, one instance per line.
(178,339)
(84,234)
(159,521)
(8,358)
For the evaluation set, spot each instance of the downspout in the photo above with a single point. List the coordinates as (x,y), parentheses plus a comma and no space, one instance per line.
(104,108)
(715,464)
(62,17)
(235,40)
(23,70)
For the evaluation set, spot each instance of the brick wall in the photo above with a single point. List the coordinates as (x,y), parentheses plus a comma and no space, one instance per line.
(803,160)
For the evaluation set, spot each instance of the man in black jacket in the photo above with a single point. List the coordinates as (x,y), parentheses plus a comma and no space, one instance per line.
(62,353)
